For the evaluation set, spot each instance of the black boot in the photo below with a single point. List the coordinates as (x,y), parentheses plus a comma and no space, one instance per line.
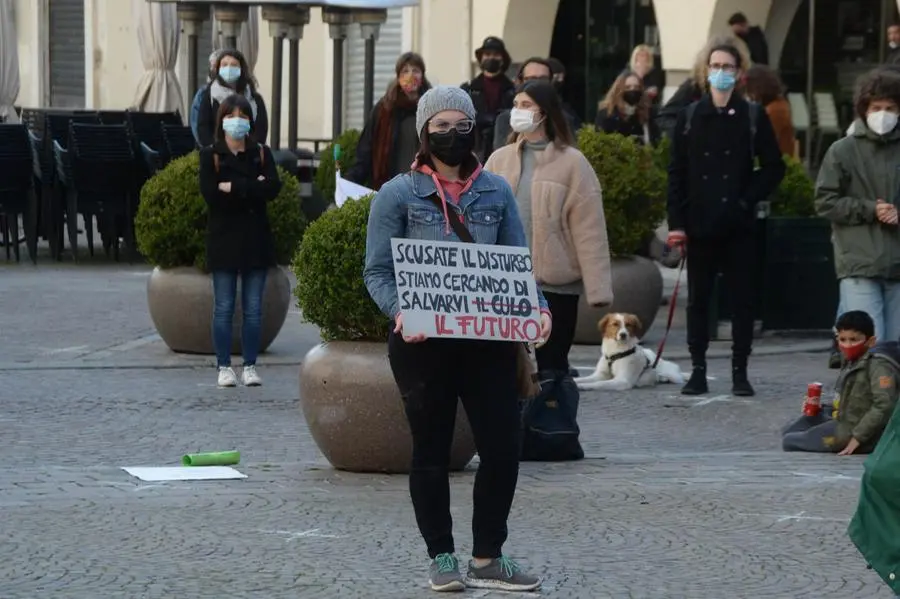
(740,385)
(697,384)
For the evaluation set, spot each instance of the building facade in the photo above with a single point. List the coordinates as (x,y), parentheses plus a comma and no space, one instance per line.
(84,53)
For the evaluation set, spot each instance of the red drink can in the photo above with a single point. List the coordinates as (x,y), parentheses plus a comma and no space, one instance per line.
(813,404)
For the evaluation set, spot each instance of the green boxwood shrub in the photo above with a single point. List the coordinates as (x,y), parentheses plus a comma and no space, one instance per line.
(170,225)
(634,186)
(796,193)
(348,140)
(662,153)
(329,267)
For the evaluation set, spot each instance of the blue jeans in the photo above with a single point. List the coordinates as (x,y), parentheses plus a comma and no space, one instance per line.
(224,293)
(879,299)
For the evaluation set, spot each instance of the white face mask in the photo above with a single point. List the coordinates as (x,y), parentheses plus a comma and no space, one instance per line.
(893,45)
(522,121)
(882,122)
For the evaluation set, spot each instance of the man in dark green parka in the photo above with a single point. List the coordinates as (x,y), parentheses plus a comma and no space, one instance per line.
(858,190)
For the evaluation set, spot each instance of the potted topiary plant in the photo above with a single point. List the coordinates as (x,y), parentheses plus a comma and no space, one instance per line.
(347,392)
(633,179)
(799,258)
(170,228)
(348,140)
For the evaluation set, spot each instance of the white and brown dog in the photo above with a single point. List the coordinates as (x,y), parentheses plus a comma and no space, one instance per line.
(623,363)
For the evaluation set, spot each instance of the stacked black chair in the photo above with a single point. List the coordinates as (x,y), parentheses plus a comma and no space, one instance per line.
(152,159)
(113,117)
(146,128)
(102,182)
(55,171)
(179,141)
(17,195)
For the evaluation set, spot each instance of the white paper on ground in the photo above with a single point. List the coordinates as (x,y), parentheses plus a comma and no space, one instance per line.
(161,473)
(348,190)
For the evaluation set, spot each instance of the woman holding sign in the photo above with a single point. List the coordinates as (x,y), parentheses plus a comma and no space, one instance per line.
(559,198)
(447,197)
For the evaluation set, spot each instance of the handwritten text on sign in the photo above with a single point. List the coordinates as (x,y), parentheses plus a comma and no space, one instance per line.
(466,290)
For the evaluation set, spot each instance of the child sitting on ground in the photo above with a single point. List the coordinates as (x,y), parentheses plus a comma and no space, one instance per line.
(865,393)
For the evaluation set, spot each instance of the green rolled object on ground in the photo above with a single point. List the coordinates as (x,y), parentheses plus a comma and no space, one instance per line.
(215,458)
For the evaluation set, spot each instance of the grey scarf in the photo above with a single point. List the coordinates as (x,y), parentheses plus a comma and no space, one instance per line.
(218,93)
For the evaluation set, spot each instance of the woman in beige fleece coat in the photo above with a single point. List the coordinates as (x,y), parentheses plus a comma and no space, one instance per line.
(561,206)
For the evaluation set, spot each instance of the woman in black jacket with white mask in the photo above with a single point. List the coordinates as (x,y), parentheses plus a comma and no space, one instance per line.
(238,178)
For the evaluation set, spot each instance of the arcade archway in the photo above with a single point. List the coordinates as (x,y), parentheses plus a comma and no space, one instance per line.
(594,39)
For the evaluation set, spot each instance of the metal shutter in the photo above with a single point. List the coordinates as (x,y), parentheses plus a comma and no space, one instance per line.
(388,48)
(66,41)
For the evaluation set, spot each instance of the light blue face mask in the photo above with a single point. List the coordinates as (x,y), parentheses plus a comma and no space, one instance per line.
(230,74)
(721,80)
(236,127)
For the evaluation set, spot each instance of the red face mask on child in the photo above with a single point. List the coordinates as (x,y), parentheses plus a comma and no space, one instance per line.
(854,352)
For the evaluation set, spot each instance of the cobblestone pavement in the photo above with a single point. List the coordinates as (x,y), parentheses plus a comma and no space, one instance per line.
(678,497)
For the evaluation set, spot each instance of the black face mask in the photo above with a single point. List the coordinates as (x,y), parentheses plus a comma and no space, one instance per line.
(453,147)
(632,97)
(491,65)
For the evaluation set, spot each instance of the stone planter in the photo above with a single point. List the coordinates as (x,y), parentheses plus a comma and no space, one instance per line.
(637,289)
(355,414)
(181,307)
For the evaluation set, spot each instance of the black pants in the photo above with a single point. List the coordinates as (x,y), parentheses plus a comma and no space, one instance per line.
(432,377)
(820,434)
(735,258)
(812,433)
(554,355)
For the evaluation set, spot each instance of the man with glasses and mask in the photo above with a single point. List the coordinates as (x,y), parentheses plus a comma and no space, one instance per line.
(491,91)
(712,197)
(533,69)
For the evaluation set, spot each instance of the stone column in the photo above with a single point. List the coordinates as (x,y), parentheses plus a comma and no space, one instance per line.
(230,17)
(295,34)
(338,20)
(278,29)
(370,22)
(192,17)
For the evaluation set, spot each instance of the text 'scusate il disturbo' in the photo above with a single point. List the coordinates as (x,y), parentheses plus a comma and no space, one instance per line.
(471,291)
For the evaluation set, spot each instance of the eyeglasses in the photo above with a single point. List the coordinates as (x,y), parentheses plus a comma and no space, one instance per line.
(728,68)
(537,78)
(464,126)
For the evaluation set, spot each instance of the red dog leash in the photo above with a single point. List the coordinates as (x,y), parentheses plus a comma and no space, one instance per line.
(672,302)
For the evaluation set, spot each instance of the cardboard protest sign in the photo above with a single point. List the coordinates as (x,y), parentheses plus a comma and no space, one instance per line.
(466,290)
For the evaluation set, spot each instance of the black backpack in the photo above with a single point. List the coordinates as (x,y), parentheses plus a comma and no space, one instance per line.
(550,421)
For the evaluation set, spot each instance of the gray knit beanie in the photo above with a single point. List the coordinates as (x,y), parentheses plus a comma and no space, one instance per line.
(442,97)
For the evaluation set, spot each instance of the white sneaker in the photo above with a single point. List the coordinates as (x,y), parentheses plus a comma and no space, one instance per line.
(250,378)
(227,377)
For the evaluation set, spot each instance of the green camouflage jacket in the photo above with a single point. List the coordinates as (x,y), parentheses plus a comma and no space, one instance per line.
(867,391)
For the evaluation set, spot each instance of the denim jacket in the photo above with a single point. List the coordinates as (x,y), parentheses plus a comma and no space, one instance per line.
(401,209)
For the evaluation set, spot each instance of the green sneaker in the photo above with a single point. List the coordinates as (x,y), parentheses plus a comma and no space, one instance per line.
(501,574)
(443,574)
